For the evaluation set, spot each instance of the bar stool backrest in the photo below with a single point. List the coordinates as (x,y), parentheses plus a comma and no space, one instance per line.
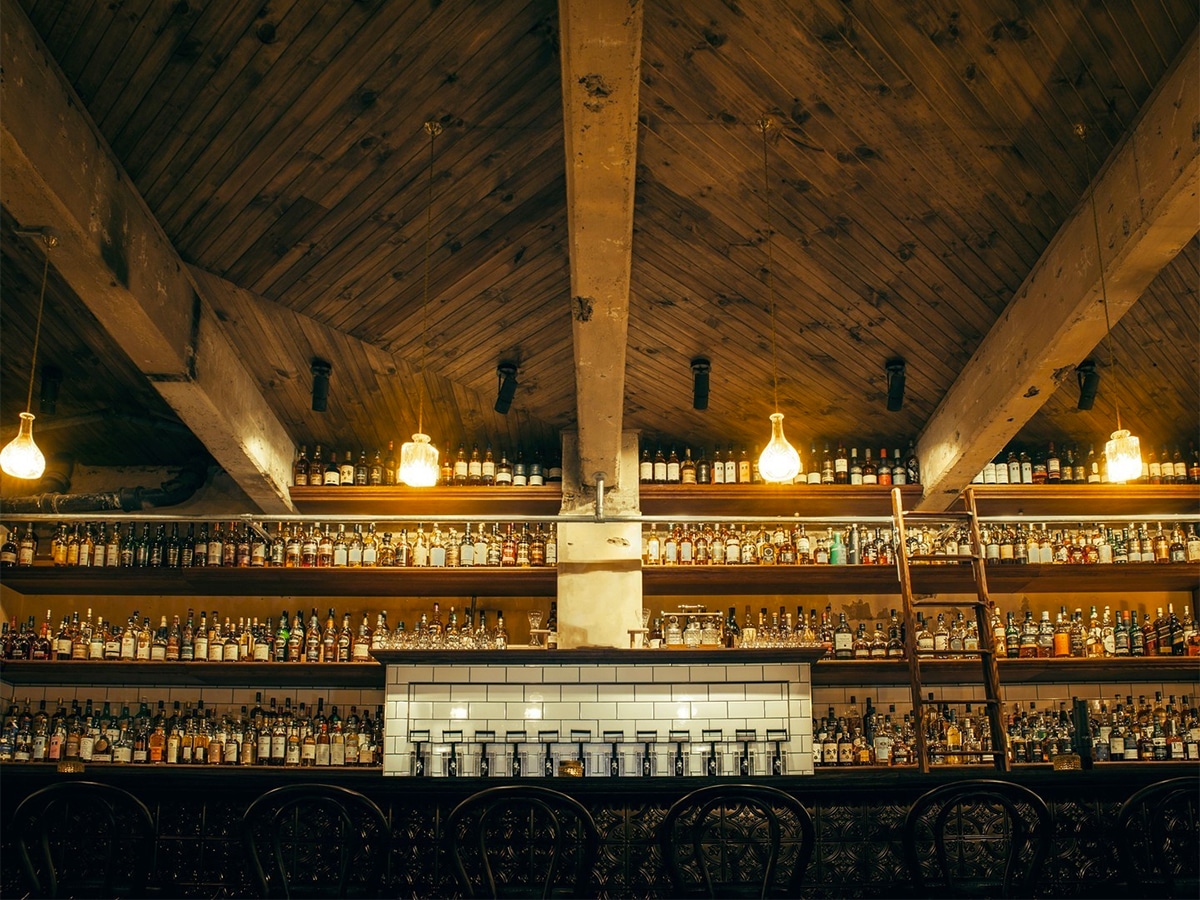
(522,841)
(978,837)
(1158,833)
(84,839)
(316,840)
(738,840)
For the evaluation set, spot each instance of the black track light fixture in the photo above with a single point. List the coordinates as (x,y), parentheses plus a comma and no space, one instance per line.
(701,367)
(895,384)
(1089,383)
(321,371)
(506,374)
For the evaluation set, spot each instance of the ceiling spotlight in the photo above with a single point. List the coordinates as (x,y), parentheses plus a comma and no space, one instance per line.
(321,371)
(1089,383)
(506,373)
(700,369)
(895,384)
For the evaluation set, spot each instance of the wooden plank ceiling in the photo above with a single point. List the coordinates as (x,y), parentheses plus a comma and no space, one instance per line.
(922,159)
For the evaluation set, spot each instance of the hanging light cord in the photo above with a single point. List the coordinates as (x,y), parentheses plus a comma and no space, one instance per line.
(37,329)
(1081,130)
(764,123)
(434,129)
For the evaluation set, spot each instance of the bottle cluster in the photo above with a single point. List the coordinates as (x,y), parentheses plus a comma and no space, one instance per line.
(194,735)
(209,638)
(1117,731)
(790,543)
(830,467)
(1023,465)
(286,545)
(475,468)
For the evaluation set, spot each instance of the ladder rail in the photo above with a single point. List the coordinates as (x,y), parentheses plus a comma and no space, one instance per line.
(904,572)
(984,612)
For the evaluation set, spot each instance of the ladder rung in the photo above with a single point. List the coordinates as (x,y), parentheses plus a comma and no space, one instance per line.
(937,601)
(953,516)
(972,700)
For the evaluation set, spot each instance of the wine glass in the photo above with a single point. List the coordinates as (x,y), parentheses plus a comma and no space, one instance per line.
(535,621)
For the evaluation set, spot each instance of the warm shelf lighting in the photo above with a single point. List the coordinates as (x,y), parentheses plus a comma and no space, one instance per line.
(1124,456)
(418,457)
(779,462)
(418,462)
(21,457)
(1123,453)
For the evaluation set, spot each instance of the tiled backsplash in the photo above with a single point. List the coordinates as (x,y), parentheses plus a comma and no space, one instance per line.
(597,698)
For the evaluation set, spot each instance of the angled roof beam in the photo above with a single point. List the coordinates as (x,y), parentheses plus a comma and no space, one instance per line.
(58,171)
(601,45)
(1147,203)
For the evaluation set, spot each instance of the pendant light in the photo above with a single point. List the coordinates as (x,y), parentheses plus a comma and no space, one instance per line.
(779,461)
(418,457)
(21,457)
(1123,452)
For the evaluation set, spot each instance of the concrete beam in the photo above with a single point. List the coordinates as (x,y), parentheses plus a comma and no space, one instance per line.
(58,171)
(601,46)
(1147,198)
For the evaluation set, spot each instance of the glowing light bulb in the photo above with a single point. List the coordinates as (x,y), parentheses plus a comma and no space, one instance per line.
(21,457)
(418,462)
(1124,457)
(779,461)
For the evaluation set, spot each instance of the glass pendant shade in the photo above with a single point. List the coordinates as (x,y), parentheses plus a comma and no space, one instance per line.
(21,457)
(779,461)
(1124,456)
(418,462)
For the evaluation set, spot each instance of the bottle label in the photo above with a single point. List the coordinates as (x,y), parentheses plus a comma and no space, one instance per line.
(842,640)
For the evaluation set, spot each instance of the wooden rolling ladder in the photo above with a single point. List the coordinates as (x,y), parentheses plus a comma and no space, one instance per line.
(983,614)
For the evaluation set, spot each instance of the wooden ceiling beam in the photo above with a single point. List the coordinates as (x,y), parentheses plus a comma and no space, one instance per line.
(58,171)
(1146,200)
(601,47)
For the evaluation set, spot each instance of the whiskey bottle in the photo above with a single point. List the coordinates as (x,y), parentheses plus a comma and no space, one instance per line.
(300,468)
(375,471)
(687,468)
(333,472)
(346,471)
(389,465)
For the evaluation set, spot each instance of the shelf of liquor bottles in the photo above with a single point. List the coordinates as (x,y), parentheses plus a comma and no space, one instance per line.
(198,674)
(941,578)
(1088,502)
(829,672)
(426,504)
(853,673)
(220,581)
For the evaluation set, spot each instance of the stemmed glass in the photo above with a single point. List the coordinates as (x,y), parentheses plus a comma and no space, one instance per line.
(535,621)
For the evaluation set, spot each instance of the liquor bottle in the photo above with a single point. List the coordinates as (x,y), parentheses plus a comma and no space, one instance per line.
(504,471)
(646,467)
(445,467)
(704,469)
(552,627)
(841,466)
(487,468)
(347,470)
(870,475)
(843,639)
(687,468)
(389,465)
(673,468)
(475,467)
(731,467)
(659,467)
(520,471)
(912,464)
(856,468)
(1054,471)
(375,470)
(461,466)
(9,552)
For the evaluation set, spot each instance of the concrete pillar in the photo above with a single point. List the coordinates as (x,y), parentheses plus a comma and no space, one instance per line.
(599,563)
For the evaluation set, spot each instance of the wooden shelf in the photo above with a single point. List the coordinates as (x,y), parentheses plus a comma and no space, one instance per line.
(714,501)
(225,582)
(598,656)
(1091,502)
(520,503)
(864,673)
(954,578)
(199,674)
